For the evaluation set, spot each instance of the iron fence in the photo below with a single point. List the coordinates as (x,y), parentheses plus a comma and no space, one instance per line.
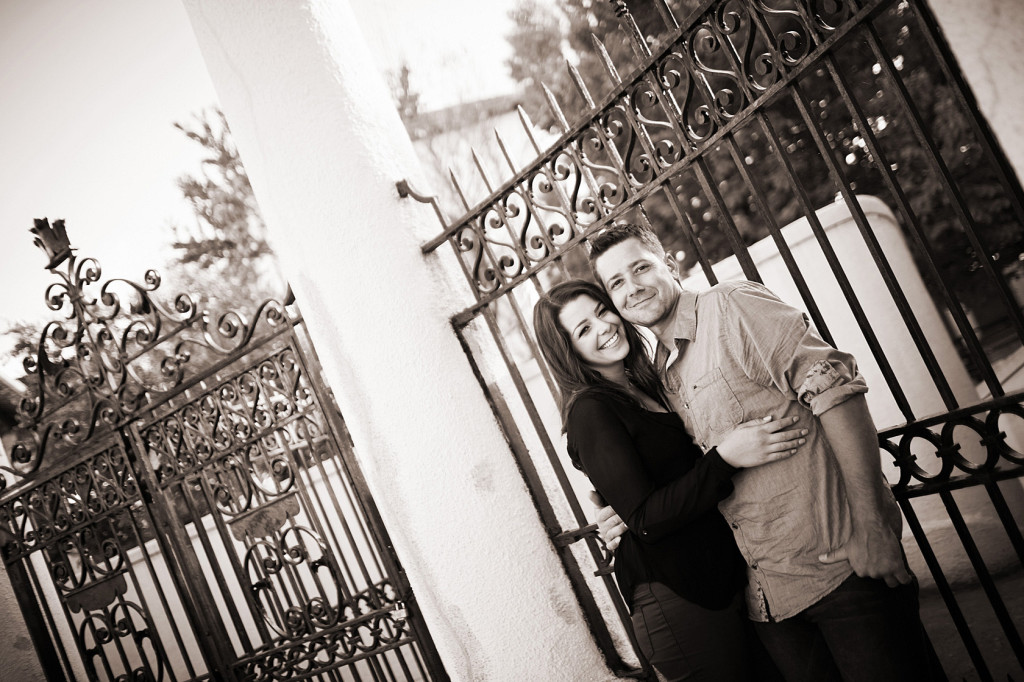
(739,138)
(183,501)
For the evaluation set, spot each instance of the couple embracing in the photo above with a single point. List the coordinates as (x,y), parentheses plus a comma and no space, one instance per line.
(748,510)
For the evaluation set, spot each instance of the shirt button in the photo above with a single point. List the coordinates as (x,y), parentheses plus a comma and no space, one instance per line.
(704,445)
(735,525)
(754,565)
(686,406)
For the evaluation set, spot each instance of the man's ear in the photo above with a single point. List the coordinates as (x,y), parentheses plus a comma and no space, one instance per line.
(672,265)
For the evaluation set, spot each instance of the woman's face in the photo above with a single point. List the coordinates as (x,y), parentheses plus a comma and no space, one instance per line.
(596,332)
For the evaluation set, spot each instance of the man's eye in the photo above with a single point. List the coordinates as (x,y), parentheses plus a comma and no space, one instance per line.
(615,284)
(641,268)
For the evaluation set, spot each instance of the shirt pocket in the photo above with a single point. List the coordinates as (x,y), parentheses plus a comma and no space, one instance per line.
(713,403)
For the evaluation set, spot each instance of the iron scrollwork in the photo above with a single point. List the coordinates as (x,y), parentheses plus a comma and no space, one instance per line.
(364,629)
(80,523)
(117,351)
(715,71)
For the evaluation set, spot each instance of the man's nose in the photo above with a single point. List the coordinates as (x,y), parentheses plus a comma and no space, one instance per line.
(633,287)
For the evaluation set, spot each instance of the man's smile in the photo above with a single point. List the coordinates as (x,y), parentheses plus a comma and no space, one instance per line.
(634,304)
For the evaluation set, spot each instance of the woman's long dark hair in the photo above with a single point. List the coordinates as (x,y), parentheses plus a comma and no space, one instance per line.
(573,376)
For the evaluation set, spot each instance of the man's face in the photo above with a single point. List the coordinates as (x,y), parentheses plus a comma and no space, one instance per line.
(641,284)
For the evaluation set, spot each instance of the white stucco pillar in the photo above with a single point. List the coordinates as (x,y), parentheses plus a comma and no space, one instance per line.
(324,147)
(20,661)
(987,39)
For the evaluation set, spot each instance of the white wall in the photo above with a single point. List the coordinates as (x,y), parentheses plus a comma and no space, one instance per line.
(19,656)
(987,39)
(324,147)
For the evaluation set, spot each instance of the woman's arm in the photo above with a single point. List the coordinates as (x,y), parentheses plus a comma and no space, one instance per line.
(609,456)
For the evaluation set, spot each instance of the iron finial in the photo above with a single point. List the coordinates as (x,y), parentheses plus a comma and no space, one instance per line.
(524,118)
(553,106)
(636,38)
(606,60)
(581,87)
(52,240)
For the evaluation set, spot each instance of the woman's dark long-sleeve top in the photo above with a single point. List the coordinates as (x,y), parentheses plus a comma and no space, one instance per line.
(647,467)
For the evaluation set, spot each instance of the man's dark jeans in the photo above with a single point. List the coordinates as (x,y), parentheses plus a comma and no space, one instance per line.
(862,631)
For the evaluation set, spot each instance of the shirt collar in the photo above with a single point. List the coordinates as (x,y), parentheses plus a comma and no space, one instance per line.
(683,325)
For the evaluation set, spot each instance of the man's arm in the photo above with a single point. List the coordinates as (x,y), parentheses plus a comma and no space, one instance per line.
(873,549)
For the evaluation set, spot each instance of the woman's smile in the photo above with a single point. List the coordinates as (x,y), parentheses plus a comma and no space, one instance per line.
(611,342)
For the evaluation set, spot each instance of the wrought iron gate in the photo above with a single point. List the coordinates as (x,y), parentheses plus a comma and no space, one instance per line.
(183,502)
(750,115)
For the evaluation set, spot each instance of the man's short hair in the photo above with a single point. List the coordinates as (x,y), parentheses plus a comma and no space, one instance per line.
(616,234)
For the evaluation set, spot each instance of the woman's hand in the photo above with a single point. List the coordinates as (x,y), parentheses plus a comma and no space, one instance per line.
(761,441)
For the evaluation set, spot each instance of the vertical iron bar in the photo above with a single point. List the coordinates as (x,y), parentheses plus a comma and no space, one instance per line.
(687,229)
(538,423)
(525,193)
(399,657)
(628,24)
(572,148)
(945,590)
(118,645)
(599,629)
(215,568)
(1006,517)
(44,606)
(158,646)
(31,609)
(671,23)
(345,574)
(776,232)
(966,99)
(183,563)
(869,239)
(914,227)
(318,524)
(479,222)
(555,184)
(703,173)
(161,593)
(810,213)
(1002,615)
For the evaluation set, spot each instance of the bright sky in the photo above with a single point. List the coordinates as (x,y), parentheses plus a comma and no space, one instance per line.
(90,92)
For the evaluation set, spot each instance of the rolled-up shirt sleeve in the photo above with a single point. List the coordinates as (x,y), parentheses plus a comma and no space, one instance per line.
(776,345)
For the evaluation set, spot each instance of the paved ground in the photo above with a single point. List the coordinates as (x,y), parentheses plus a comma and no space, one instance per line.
(1006,568)
(984,627)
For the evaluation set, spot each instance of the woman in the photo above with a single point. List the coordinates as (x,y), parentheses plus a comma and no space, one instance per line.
(678,568)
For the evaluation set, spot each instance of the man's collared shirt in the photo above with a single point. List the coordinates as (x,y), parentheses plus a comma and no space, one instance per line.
(741,354)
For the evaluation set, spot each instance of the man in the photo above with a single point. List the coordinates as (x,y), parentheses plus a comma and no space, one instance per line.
(829,590)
